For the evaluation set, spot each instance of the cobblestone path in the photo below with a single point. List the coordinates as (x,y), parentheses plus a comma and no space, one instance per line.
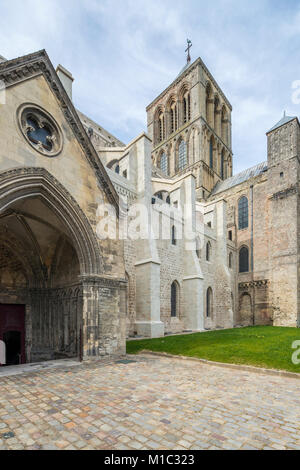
(153,403)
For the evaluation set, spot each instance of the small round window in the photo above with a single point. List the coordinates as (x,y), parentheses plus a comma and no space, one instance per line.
(40,130)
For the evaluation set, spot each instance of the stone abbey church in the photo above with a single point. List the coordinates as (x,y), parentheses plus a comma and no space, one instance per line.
(65,292)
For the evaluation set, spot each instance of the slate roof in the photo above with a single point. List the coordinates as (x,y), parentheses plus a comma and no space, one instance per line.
(282,121)
(240,178)
(184,69)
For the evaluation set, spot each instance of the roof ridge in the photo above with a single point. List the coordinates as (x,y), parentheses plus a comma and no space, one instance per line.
(239,178)
(284,120)
(247,169)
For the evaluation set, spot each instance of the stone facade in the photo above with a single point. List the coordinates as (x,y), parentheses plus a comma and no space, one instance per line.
(226,249)
(268,292)
(153,266)
(71,284)
(194,110)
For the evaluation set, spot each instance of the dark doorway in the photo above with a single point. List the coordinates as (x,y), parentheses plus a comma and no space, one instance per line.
(12,332)
(13,342)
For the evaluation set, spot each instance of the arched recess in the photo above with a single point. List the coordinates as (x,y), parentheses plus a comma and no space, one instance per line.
(223,172)
(50,251)
(24,183)
(217,115)
(208,251)
(181,154)
(184,104)
(209,105)
(112,164)
(159,125)
(212,152)
(163,162)
(175,299)
(244,259)
(245,310)
(224,125)
(228,166)
(194,145)
(172,115)
(163,196)
(174,235)
(209,303)
(64,266)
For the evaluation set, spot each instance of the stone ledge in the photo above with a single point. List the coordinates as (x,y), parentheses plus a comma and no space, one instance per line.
(257,370)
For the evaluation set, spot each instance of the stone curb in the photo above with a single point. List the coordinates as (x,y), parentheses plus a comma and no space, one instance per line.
(257,370)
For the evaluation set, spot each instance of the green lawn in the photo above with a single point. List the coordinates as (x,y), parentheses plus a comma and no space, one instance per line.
(261,346)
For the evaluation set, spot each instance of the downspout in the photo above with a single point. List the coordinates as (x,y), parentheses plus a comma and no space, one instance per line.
(252,258)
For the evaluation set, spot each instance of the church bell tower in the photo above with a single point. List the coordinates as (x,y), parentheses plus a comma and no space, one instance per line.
(190,127)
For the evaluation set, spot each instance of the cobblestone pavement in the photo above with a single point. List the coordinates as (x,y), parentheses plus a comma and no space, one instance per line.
(154,403)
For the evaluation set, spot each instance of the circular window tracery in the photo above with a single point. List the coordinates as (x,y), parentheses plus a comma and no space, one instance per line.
(40,130)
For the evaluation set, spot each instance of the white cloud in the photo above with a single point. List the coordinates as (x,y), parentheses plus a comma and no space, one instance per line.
(123,53)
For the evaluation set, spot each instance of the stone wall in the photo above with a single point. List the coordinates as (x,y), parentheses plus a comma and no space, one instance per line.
(269,293)
(256,238)
(130,259)
(74,183)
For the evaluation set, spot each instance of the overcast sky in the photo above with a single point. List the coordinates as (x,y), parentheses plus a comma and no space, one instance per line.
(123,53)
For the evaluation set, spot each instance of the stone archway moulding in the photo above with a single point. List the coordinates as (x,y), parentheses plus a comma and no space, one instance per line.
(22,183)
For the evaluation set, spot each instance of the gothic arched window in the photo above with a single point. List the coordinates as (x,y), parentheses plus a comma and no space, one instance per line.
(174,242)
(209,105)
(173,112)
(244,260)
(174,299)
(230,258)
(186,99)
(208,251)
(182,156)
(222,165)
(211,153)
(163,163)
(161,123)
(117,169)
(224,126)
(209,302)
(243,213)
(216,115)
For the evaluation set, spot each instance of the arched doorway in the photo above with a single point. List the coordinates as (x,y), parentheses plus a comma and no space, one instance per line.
(245,311)
(46,248)
(12,333)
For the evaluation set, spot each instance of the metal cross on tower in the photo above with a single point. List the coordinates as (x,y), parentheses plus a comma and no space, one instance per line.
(189,43)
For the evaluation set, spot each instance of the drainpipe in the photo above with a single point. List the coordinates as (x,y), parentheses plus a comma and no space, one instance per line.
(252,259)
(80,344)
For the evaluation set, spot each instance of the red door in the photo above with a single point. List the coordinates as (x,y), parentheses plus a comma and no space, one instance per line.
(12,332)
